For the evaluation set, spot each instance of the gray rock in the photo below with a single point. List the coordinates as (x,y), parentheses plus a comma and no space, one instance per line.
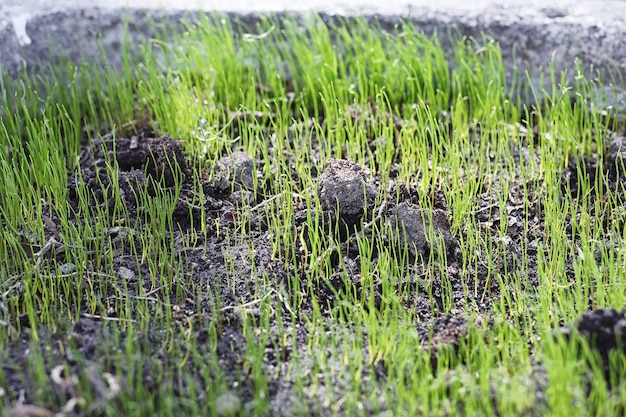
(67,268)
(126,274)
(420,230)
(227,404)
(347,186)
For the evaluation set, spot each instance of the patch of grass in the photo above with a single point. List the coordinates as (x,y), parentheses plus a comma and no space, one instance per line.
(147,294)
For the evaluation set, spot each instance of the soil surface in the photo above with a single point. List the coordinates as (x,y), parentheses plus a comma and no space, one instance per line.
(152,165)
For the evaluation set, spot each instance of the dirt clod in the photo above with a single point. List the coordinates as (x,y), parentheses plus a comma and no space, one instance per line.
(604,329)
(616,155)
(617,147)
(238,168)
(162,157)
(420,230)
(346,186)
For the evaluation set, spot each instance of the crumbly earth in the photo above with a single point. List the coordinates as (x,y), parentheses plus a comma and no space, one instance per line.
(156,164)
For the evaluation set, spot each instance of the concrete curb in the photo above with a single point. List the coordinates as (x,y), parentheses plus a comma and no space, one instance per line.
(531,36)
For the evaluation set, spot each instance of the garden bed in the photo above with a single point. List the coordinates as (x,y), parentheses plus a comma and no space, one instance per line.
(310,219)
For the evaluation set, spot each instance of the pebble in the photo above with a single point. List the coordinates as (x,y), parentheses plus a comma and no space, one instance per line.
(67,268)
(126,273)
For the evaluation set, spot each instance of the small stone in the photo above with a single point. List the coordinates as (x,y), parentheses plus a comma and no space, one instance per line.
(126,274)
(67,268)
(227,404)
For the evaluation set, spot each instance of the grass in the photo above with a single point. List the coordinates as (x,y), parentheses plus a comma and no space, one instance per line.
(295,93)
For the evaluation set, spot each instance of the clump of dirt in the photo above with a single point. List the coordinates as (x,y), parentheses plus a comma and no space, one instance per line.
(236,172)
(597,169)
(445,333)
(346,187)
(235,176)
(145,164)
(603,329)
(162,159)
(420,230)
(616,154)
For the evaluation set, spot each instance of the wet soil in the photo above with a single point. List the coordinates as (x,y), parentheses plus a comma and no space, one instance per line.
(155,166)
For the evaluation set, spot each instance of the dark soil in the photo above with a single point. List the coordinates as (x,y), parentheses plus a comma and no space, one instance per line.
(157,165)
(604,330)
